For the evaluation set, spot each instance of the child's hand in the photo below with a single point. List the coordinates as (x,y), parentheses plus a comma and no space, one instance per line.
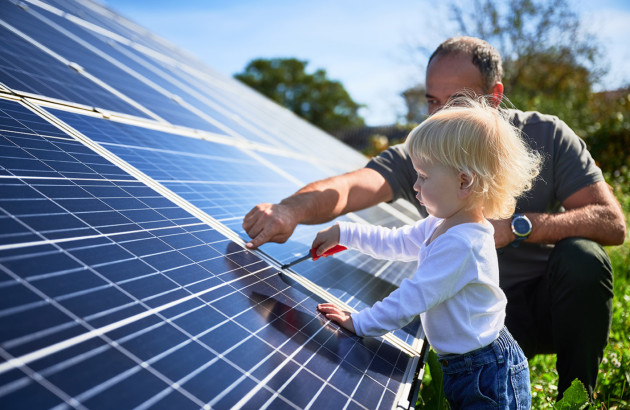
(326,239)
(332,312)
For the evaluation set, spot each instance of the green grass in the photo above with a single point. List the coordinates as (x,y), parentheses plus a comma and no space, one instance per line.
(613,383)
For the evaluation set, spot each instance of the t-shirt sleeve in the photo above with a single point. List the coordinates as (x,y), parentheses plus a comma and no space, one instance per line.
(574,166)
(396,167)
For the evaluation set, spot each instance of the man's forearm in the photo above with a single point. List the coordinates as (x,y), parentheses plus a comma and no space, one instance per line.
(596,222)
(592,212)
(317,202)
(324,200)
(313,204)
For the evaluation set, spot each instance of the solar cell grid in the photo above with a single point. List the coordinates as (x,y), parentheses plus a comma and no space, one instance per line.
(100,16)
(278,333)
(25,67)
(228,105)
(143,294)
(201,171)
(279,123)
(357,280)
(231,119)
(227,190)
(101,65)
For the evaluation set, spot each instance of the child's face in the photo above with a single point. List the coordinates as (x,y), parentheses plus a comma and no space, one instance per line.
(437,188)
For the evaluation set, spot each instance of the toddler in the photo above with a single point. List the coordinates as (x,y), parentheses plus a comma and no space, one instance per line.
(471,164)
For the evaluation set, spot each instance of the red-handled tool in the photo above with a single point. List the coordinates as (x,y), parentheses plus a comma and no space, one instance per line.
(313,255)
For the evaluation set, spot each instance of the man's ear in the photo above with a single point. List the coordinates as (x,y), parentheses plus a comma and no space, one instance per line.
(465,184)
(497,94)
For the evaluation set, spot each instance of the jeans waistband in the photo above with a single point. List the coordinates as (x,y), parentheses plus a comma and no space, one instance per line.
(494,352)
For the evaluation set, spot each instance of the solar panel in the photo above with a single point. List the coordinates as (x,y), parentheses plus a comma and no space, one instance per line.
(27,68)
(124,280)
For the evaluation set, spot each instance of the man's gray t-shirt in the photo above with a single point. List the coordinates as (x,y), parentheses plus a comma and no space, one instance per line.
(567,168)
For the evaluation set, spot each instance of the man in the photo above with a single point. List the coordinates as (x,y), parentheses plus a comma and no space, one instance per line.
(556,275)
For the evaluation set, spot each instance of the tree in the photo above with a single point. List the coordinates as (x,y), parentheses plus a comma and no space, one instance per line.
(609,133)
(319,100)
(550,63)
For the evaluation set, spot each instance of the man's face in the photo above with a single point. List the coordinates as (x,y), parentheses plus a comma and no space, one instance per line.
(449,76)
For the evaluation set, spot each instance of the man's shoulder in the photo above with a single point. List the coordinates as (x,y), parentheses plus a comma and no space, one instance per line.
(544,129)
(526,118)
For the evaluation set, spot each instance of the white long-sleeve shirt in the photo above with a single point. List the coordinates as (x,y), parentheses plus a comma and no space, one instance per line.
(455,289)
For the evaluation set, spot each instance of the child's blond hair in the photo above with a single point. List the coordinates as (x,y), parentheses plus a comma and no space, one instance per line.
(475,138)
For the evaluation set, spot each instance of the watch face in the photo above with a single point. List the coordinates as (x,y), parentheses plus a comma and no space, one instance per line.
(521,226)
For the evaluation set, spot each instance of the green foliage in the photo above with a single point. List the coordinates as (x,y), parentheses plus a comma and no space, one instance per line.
(544,381)
(608,136)
(550,63)
(558,85)
(431,395)
(574,398)
(319,100)
(377,144)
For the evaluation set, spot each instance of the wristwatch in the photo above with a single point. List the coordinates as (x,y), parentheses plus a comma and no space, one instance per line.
(521,227)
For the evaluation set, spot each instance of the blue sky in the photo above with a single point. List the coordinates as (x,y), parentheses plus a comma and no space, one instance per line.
(367,45)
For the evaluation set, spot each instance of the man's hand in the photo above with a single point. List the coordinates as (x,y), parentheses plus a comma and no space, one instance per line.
(326,239)
(332,312)
(316,203)
(269,223)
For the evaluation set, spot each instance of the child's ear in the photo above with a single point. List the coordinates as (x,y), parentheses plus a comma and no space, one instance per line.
(465,184)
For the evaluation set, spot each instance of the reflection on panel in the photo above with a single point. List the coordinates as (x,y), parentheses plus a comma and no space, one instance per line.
(228,188)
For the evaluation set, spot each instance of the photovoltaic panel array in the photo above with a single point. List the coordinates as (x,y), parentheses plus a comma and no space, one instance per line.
(126,168)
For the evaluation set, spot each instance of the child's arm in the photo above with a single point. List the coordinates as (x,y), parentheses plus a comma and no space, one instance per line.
(326,239)
(377,241)
(402,243)
(332,312)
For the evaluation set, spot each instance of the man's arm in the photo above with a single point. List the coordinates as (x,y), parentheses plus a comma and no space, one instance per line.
(317,202)
(592,212)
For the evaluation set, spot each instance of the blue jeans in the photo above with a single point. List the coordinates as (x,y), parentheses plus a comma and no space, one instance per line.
(494,376)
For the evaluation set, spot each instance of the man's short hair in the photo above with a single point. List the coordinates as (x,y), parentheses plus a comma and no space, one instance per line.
(484,56)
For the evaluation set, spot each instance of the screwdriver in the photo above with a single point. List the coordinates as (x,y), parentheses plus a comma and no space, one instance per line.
(312,254)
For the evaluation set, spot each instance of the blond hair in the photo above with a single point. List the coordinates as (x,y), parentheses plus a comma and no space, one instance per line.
(473,137)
